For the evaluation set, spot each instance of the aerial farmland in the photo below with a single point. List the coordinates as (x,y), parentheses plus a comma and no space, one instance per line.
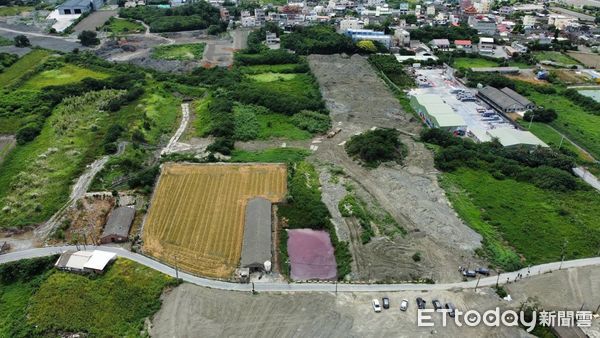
(196,217)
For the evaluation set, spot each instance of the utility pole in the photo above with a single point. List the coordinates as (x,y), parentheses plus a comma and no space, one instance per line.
(561,141)
(176,268)
(336,288)
(598,308)
(531,120)
(565,243)
(497,279)
(476,285)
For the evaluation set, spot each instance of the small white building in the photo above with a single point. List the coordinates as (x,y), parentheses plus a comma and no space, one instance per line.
(402,37)
(348,24)
(486,46)
(85,261)
(430,10)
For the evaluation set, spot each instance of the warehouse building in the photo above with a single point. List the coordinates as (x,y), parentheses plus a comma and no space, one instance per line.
(256,248)
(117,226)
(85,261)
(436,113)
(510,137)
(505,100)
(79,6)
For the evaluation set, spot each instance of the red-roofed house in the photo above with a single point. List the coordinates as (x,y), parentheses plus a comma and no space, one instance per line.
(465,45)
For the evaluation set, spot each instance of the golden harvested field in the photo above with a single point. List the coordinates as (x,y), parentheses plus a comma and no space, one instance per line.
(196,217)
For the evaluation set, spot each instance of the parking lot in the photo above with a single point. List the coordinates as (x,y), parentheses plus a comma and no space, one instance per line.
(441,82)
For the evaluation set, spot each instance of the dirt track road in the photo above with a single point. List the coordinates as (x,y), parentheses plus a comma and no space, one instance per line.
(358,100)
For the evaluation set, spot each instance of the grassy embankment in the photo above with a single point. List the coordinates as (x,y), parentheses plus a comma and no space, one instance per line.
(25,65)
(35,177)
(48,302)
(519,217)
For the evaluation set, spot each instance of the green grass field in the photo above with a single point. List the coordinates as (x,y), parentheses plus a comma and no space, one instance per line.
(275,155)
(25,64)
(517,217)
(35,178)
(123,26)
(53,302)
(555,57)
(553,138)
(111,305)
(279,126)
(473,63)
(14,10)
(258,69)
(580,126)
(61,76)
(270,77)
(6,42)
(190,51)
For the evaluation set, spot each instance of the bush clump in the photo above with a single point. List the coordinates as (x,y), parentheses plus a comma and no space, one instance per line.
(376,146)
(311,121)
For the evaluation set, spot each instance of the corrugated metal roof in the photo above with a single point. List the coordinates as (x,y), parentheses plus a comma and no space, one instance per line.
(511,137)
(256,248)
(500,99)
(119,222)
(99,260)
(516,96)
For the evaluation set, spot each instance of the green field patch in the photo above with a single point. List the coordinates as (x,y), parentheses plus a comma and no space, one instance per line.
(555,57)
(25,64)
(279,126)
(6,42)
(258,69)
(114,304)
(274,155)
(552,138)
(35,178)
(123,26)
(517,217)
(473,63)
(190,51)
(14,10)
(66,74)
(579,125)
(270,77)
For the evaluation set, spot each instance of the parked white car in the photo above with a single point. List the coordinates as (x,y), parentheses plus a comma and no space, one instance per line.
(376,305)
(404,305)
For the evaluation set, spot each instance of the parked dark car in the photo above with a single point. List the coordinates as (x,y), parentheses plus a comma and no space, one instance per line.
(451,308)
(386,303)
(436,304)
(483,271)
(469,273)
(421,303)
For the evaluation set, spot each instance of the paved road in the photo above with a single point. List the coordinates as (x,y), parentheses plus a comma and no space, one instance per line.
(588,177)
(306,287)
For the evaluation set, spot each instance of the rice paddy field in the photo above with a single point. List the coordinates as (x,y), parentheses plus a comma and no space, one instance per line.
(196,217)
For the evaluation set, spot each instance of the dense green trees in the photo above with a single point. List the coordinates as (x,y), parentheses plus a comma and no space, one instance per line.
(541,115)
(88,38)
(392,69)
(451,33)
(376,146)
(21,41)
(6,60)
(318,39)
(542,167)
(197,15)
(267,57)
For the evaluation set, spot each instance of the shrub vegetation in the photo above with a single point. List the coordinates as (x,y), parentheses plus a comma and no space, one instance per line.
(375,146)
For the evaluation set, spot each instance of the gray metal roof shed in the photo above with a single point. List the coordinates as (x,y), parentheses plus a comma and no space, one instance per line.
(256,248)
(119,222)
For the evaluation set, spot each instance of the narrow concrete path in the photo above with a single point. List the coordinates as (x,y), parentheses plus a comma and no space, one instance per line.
(307,287)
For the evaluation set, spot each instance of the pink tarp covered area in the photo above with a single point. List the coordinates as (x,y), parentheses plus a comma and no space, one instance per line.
(311,255)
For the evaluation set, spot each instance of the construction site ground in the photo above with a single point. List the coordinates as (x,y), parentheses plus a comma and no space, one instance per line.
(189,310)
(359,100)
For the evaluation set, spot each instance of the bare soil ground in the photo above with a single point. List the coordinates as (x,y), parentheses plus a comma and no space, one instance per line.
(358,100)
(87,219)
(94,20)
(588,59)
(192,311)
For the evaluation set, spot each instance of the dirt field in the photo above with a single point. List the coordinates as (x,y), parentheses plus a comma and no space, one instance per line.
(358,100)
(94,20)
(196,217)
(588,59)
(6,144)
(192,311)
(87,219)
